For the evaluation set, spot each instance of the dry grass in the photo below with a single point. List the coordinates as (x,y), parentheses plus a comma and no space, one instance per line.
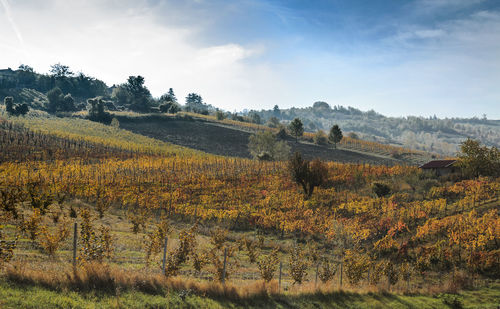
(111,279)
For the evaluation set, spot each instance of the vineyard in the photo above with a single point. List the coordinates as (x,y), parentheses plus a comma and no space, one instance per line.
(230,220)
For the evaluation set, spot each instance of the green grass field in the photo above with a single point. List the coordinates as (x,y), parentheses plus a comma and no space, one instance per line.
(14,296)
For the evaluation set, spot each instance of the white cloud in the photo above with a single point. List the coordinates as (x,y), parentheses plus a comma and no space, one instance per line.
(111,40)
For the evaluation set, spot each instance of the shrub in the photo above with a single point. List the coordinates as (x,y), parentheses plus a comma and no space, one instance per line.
(220,115)
(308,174)
(6,248)
(327,271)
(251,249)
(186,247)
(298,265)
(155,240)
(30,226)
(381,189)
(138,217)
(320,138)
(264,146)
(356,265)
(52,241)
(95,244)
(268,264)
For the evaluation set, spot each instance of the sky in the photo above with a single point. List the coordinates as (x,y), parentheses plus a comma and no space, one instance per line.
(397,57)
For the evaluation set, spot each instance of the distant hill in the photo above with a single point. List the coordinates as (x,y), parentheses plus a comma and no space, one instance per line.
(435,135)
(80,86)
(428,134)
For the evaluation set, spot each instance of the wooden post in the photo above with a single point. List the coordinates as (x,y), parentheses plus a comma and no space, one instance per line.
(341,266)
(165,254)
(75,235)
(224,269)
(316,279)
(279,280)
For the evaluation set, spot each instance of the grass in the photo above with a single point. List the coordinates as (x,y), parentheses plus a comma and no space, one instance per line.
(13,295)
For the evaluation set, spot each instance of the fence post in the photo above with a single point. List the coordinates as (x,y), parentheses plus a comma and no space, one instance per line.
(224,269)
(279,281)
(316,279)
(75,235)
(341,266)
(165,254)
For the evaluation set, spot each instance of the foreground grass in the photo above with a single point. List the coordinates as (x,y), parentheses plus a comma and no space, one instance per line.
(13,295)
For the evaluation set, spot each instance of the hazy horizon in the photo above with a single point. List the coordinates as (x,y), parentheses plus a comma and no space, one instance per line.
(419,58)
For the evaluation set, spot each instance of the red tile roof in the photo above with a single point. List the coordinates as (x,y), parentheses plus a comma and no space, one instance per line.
(438,164)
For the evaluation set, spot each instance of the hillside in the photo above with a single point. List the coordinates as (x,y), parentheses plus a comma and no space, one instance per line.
(227,140)
(429,134)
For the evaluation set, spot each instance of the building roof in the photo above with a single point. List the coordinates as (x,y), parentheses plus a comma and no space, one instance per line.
(438,164)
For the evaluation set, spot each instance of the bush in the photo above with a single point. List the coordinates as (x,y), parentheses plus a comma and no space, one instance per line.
(95,244)
(220,115)
(298,265)
(320,138)
(268,264)
(15,110)
(170,107)
(327,271)
(264,146)
(52,241)
(308,174)
(97,112)
(381,189)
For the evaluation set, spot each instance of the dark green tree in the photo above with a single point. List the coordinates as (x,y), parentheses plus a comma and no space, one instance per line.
(296,128)
(276,111)
(195,104)
(13,109)
(139,93)
(9,105)
(476,160)
(308,174)
(169,96)
(170,107)
(59,71)
(56,100)
(26,68)
(97,111)
(335,135)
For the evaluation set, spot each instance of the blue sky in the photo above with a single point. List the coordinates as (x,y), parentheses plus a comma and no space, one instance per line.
(420,57)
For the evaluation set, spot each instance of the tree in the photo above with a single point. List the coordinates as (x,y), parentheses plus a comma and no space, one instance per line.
(194,103)
(140,97)
(97,112)
(308,174)
(219,115)
(169,96)
(56,98)
(320,138)
(381,189)
(255,117)
(264,146)
(13,109)
(68,103)
(273,122)
(26,68)
(335,135)
(276,111)
(296,128)
(58,70)
(169,107)
(121,96)
(9,105)
(476,160)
